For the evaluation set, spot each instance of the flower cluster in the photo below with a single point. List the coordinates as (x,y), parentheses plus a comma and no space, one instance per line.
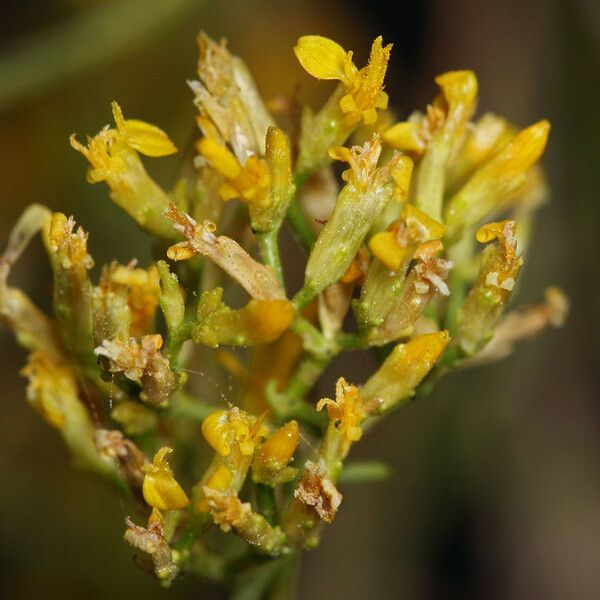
(419,246)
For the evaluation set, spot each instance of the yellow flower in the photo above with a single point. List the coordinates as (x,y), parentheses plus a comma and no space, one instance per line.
(113,155)
(346,413)
(508,263)
(141,288)
(160,488)
(325,59)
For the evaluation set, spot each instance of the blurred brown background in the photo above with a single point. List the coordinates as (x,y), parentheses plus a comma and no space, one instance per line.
(496,486)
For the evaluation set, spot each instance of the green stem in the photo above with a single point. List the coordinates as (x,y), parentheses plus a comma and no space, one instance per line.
(300,225)
(307,373)
(265,500)
(269,249)
(303,298)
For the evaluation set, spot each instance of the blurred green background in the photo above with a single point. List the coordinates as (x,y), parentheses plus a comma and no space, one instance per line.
(496,485)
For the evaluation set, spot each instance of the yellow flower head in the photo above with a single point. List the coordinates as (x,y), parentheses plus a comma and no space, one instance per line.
(325,59)
(346,413)
(364,172)
(160,488)
(70,246)
(270,465)
(226,430)
(404,369)
(105,150)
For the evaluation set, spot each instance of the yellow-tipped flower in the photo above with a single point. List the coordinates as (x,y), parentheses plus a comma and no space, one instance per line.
(355,101)
(113,155)
(404,369)
(265,185)
(501,176)
(346,413)
(325,59)
(70,263)
(499,269)
(281,444)
(160,488)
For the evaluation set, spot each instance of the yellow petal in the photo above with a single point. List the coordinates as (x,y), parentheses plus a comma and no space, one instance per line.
(144,137)
(405,136)
(215,429)
(402,175)
(219,157)
(160,489)
(458,86)
(414,216)
(323,58)
(386,248)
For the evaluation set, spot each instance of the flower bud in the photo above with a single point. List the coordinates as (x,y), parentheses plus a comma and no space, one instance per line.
(501,176)
(404,369)
(259,322)
(270,464)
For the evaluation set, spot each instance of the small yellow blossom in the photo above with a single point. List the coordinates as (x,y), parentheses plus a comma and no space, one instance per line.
(141,289)
(346,413)
(281,444)
(498,271)
(113,156)
(325,59)
(160,488)
(509,263)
